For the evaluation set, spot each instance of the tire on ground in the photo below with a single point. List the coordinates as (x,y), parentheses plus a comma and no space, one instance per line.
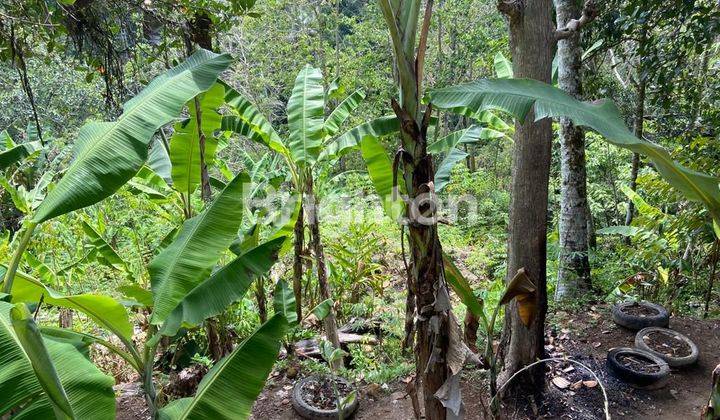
(634,377)
(636,322)
(672,361)
(309,412)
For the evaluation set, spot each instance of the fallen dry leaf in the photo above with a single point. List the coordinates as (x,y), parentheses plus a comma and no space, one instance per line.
(590,384)
(568,369)
(560,382)
(577,385)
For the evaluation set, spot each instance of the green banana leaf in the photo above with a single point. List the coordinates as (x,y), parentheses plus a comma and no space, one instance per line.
(138,293)
(185,141)
(442,174)
(26,369)
(89,391)
(519,96)
(284,301)
(17,153)
(379,168)
(643,207)
(350,140)
(159,160)
(108,154)
(101,251)
(503,66)
(322,309)
(248,121)
(187,261)
(338,116)
(306,113)
(229,390)
(466,136)
(104,310)
(462,287)
(224,287)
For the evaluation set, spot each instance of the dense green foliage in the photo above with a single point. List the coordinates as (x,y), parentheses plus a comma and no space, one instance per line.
(107,128)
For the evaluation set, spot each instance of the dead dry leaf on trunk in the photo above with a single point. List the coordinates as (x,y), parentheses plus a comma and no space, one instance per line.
(523,290)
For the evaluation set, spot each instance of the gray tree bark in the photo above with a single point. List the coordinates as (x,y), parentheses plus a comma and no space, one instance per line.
(531,44)
(574,267)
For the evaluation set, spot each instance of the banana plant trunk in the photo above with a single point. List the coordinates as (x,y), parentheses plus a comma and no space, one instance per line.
(299,233)
(330,321)
(574,266)
(531,45)
(431,293)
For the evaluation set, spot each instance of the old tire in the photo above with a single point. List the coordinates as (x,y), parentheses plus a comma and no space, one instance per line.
(672,361)
(637,322)
(632,376)
(309,412)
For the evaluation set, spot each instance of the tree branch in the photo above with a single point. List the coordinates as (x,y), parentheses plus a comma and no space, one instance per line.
(589,13)
(513,9)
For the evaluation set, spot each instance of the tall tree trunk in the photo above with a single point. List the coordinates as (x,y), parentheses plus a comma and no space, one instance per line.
(531,44)
(574,267)
(638,120)
(330,321)
(299,233)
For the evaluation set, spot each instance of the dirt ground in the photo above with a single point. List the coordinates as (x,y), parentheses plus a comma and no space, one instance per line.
(585,337)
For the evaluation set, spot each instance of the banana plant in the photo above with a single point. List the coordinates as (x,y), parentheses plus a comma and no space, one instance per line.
(518,97)
(185,290)
(312,141)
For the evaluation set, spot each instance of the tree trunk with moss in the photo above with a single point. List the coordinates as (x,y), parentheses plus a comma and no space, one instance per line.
(574,266)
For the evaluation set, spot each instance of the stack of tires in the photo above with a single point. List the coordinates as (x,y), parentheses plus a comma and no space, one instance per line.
(644,365)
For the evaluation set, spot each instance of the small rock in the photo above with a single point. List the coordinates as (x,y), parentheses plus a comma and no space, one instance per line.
(373,390)
(291,372)
(597,344)
(286,401)
(568,369)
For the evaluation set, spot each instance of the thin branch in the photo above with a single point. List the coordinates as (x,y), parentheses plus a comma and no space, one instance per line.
(589,13)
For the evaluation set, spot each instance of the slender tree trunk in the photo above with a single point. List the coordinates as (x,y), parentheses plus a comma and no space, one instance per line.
(574,267)
(330,321)
(66,318)
(638,120)
(471,323)
(531,44)
(299,232)
(261,298)
(711,281)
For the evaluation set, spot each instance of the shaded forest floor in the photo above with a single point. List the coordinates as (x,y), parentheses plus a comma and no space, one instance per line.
(585,337)
(582,336)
